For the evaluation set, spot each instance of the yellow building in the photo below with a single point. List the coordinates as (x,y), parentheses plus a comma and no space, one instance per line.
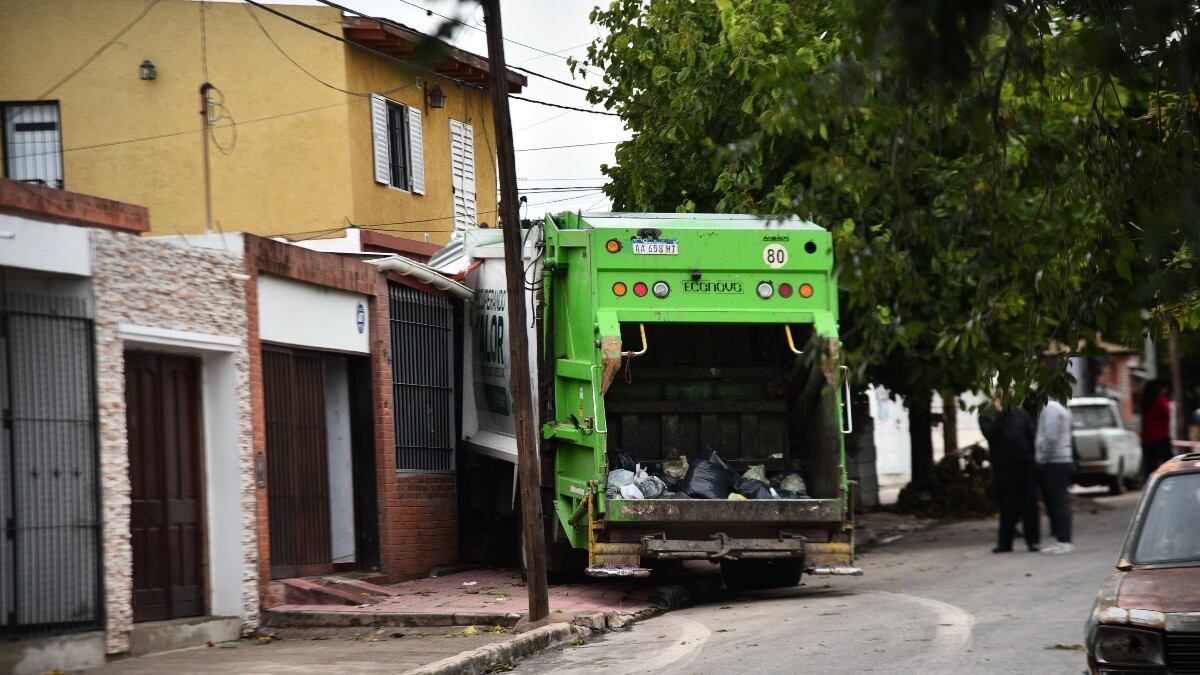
(304,134)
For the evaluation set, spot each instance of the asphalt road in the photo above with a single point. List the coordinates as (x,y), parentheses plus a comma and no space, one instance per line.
(938,601)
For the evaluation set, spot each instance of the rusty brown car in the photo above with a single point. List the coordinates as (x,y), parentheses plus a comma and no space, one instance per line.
(1147,615)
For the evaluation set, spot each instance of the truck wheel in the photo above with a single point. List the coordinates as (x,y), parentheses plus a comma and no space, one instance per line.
(1116,484)
(751,575)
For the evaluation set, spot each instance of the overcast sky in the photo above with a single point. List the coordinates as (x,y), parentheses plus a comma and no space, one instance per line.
(556,26)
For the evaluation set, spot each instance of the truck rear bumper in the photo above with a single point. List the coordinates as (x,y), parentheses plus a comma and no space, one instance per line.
(783,512)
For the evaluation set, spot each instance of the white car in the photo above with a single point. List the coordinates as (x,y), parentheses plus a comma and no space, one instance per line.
(1107,453)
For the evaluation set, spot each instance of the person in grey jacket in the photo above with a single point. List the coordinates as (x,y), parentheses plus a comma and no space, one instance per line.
(1055,464)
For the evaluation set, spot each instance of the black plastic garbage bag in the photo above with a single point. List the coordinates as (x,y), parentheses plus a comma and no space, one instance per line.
(710,478)
(622,460)
(752,488)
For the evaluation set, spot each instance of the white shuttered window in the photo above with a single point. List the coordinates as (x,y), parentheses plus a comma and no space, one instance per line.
(33,143)
(462,174)
(397,145)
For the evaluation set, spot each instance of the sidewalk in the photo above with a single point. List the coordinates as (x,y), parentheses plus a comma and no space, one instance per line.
(421,622)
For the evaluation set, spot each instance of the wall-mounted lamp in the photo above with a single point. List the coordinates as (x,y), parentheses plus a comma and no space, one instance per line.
(148,71)
(434,97)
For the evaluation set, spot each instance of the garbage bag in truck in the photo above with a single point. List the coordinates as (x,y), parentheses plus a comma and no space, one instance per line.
(710,478)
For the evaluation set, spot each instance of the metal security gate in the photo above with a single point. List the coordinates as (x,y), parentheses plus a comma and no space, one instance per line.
(297,463)
(422,335)
(49,505)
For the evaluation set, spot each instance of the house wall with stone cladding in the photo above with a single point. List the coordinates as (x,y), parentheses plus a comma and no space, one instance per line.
(163,285)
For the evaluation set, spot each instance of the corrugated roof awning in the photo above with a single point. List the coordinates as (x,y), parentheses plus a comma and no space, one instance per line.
(412,45)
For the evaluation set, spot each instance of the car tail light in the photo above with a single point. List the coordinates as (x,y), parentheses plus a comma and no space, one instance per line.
(785,290)
(765,289)
(620,289)
(639,289)
(806,290)
(661,289)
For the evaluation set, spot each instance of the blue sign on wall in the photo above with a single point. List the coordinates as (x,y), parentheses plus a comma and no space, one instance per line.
(360,316)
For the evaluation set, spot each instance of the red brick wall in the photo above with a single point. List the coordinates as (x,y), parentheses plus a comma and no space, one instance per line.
(418,517)
(44,203)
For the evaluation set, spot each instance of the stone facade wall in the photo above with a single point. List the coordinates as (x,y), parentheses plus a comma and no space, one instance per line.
(162,285)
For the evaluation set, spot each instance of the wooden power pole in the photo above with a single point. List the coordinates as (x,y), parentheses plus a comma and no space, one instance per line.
(528,470)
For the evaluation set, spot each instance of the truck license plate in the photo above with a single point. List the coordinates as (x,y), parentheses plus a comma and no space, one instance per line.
(655,247)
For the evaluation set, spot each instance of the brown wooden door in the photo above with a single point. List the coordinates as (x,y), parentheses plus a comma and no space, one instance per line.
(163,400)
(297,463)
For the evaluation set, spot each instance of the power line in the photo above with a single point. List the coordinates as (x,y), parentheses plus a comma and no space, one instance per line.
(389,57)
(565,107)
(183,133)
(357,45)
(559,53)
(250,11)
(573,145)
(552,79)
(101,50)
(563,179)
(447,18)
(540,122)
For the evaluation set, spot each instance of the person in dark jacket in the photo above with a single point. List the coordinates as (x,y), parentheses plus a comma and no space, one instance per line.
(1010,435)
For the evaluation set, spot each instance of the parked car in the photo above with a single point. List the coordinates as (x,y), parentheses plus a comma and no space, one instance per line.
(1147,615)
(1107,453)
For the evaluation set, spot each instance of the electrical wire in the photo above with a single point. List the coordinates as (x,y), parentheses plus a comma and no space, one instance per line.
(540,122)
(564,107)
(552,79)
(359,46)
(203,39)
(306,71)
(184,133)
(573,145)
(137,19)
(430,12)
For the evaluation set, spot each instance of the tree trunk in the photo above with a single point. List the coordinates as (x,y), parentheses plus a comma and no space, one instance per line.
(920,434)
(949,421)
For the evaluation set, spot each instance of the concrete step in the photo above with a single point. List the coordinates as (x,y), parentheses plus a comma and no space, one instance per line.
(318,592)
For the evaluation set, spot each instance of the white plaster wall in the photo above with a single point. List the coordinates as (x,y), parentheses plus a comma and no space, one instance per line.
(48,247)
(223,485)
(341,476)
(306,315)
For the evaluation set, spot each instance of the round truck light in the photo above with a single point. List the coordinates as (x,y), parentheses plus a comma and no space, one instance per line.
(613,246)
(661,289)
(639,289)
(765,289)
(785,290)
(806,290)
(620,289)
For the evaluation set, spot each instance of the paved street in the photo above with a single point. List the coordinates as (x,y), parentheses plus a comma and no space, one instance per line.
(935,602)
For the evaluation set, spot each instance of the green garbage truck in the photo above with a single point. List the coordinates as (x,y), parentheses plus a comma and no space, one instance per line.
(692,352)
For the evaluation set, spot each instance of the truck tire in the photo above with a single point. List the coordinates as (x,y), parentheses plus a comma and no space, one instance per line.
(752,575)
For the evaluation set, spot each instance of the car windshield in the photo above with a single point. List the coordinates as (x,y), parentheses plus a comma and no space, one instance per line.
(1170,530)
(1092,417)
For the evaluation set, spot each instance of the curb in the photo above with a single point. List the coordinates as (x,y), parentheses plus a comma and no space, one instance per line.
(318,619)
(478,661)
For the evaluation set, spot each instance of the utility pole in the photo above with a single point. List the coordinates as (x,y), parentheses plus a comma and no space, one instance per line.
(528,470)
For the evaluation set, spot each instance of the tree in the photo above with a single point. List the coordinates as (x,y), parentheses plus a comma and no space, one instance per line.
(970,228)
